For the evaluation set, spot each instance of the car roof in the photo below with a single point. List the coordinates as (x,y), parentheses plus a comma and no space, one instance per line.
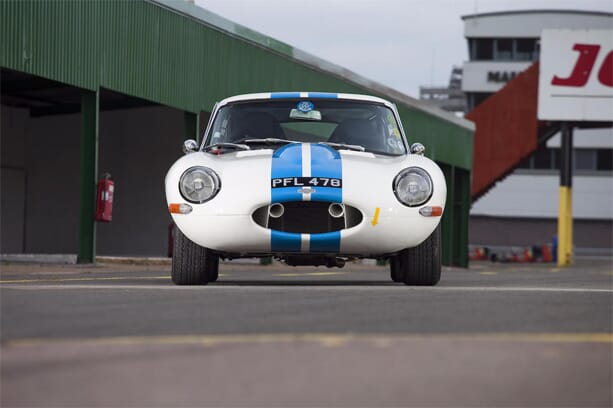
(307,95)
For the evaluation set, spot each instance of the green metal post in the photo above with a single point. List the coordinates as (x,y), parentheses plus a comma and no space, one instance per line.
(192,126)
(461,212)
(448,217)
(90,103)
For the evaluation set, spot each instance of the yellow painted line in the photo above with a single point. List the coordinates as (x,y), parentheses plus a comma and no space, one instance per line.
(326,340)
(375,219)
(327,273)
(311,274)
(488,273)
(114,278)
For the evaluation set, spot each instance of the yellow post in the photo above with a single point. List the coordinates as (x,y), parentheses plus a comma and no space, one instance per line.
(565,227)
(565,215)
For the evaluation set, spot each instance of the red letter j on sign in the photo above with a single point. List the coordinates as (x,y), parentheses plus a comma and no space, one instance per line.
(584,65)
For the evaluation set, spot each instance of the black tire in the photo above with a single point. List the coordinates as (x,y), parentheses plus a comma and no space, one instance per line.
(421,265)
(191,263)
(395,269)
(214,266)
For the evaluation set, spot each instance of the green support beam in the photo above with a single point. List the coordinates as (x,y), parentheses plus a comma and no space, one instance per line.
(90,108)
(461,210)
(455,219)
(449,216)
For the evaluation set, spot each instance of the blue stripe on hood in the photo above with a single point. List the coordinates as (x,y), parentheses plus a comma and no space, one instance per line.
(286,162)
(326,162)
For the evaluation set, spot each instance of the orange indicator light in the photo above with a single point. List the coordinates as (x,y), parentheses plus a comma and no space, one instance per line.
(179,208)
(434,211)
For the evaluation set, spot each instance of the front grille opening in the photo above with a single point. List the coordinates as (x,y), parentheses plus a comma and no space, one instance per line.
(307,217)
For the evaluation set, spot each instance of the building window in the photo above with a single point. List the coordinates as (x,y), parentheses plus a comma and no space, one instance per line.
(503,50)
(474,99)
(525,49)
(604,159)
(543,159)
(584,160)
(483,49)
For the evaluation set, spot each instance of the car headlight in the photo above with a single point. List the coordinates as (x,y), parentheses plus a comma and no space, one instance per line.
(199,184)
(413,186)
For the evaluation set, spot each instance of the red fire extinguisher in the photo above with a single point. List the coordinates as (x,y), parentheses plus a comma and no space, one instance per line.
(104,199)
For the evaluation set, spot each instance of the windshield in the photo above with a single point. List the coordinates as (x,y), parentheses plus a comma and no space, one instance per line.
(338,122)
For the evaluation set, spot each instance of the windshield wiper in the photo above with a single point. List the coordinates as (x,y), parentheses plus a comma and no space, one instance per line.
(344,146)
(268,140)
(236,146)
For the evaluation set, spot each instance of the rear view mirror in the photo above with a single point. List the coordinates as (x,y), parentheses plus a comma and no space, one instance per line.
(310,115)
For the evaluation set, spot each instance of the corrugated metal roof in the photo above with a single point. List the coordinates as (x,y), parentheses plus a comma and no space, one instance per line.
(177,54)
(219,23)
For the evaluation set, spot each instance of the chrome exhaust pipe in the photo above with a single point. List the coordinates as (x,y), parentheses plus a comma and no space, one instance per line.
(276,210)
(336,210)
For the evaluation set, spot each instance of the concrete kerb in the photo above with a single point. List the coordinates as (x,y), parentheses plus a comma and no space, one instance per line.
(61,259)
(127,260)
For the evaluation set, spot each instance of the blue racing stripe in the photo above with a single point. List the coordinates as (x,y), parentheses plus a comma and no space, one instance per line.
(284,241)
(284,95)
(326,242)
(323,95)
(286,162)
(326,162)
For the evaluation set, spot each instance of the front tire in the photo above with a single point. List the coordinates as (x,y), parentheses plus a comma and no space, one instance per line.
(191,263)
(421,265)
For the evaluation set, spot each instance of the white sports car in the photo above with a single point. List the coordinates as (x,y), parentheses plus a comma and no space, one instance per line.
(310,178)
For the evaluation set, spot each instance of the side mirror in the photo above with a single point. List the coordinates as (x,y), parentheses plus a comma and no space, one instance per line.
(190,146)
(418,148)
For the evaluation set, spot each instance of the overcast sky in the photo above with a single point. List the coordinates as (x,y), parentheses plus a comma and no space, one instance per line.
(400,43)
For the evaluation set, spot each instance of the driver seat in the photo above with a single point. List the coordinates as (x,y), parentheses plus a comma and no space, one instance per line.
(256,125)
(361,132)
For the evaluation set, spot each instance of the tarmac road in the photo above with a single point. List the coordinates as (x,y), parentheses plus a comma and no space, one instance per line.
(123,335)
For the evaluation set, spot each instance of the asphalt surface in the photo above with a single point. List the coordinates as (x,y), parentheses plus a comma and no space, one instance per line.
(124,335)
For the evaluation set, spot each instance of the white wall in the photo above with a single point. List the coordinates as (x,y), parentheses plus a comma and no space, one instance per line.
(601,138)
(475,74)
(527,195)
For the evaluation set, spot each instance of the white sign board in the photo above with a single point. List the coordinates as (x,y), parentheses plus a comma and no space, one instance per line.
(576,75)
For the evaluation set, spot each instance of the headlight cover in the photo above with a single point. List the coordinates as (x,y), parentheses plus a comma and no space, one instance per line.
(199,184)
(413,186)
